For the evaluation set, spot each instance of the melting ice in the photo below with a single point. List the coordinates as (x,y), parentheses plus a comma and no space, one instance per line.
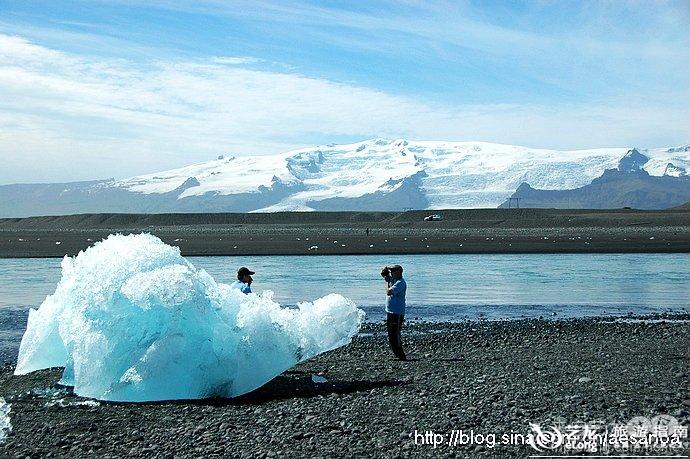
(132,320)
(5,425)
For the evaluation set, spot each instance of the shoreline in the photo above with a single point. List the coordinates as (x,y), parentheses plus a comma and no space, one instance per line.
(473,231)
(490,376)
(11,337)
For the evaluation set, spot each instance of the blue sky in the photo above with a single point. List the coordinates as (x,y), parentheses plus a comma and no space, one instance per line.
(114,88)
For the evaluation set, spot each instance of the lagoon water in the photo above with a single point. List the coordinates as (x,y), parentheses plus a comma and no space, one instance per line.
(440,287)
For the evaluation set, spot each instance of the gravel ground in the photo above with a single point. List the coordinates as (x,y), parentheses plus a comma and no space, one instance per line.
(491,377)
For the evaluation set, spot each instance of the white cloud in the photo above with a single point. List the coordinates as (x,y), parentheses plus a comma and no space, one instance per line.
(73,117)
(235,60)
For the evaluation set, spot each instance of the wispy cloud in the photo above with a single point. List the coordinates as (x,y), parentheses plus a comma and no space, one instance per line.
(235,60)
(72,112)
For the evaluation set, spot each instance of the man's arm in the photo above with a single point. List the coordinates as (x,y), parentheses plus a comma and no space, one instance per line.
(393,289)
(388,285)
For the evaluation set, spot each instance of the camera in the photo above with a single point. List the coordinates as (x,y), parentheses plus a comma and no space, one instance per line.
(385,272)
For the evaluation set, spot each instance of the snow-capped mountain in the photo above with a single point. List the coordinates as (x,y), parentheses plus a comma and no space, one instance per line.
(446,174)
(376,174)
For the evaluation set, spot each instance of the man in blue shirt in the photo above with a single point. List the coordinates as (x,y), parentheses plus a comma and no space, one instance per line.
(395,307)
(244,280)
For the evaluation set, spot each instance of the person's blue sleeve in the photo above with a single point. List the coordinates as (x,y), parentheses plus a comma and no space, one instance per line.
(397,287)
(246,289)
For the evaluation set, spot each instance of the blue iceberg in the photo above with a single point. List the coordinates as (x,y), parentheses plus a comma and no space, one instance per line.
(132,320)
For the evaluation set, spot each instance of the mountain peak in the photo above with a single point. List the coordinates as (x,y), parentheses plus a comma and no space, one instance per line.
(524,187)
(679,149)
(632,161)
(380,141)
(675,171)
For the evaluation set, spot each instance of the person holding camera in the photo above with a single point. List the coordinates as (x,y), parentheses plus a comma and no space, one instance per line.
(395,307)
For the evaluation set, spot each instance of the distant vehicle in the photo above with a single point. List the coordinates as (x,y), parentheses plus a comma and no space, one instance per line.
(433,218)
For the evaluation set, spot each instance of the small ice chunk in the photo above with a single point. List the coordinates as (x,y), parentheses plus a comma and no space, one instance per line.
(316,379)
(87,403)
(314,247)
(56,402)
(62,403)
(5,425)
(51,392)
(58,243)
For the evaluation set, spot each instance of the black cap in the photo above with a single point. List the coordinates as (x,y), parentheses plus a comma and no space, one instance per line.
(395,268)
(244,271)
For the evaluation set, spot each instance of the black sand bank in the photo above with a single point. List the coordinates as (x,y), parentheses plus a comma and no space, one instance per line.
(313,233)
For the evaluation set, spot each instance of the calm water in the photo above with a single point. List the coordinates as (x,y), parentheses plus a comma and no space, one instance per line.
(440,286)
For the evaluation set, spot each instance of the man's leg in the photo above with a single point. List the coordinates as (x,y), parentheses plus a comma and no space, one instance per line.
(390,328)
(399,347)
(394,324)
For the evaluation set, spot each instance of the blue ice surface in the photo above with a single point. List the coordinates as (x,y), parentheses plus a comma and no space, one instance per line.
(132,320)
(5,424)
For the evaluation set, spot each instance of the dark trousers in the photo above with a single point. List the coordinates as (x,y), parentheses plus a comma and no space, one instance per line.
(393,325)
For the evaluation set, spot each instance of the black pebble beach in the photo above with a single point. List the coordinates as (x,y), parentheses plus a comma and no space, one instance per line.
(486,376)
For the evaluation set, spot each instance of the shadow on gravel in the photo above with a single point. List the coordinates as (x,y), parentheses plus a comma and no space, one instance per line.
(290,385)
(287,387)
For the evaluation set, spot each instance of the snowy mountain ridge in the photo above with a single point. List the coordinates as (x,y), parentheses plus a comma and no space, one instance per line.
(445,174)
(379,175)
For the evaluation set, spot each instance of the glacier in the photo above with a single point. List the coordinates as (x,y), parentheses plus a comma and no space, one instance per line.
(132,320)
(371,175)
(449,174)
